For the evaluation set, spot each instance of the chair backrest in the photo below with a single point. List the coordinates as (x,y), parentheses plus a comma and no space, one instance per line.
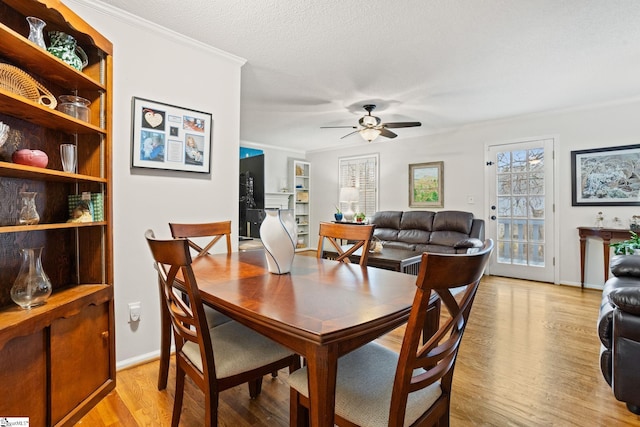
(173,259)
(216,230)
(436,355)
(357,235)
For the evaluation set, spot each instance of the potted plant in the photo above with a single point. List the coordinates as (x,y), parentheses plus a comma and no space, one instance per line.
(360,217)
(338,214)
(627,247)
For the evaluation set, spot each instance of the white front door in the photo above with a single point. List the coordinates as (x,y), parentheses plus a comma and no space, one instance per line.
(521,219)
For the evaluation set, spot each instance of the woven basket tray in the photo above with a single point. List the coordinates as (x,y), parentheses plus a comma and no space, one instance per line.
(14,80)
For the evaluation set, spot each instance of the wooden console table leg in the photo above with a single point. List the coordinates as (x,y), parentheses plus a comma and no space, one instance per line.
(583,247)
(605,248)
(606,235)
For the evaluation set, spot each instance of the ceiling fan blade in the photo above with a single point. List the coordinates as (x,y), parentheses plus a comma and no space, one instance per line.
(402,124)
(386,132)
(338,127)
(351,133)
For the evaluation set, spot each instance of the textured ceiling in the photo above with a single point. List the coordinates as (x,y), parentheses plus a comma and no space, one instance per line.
(445,63)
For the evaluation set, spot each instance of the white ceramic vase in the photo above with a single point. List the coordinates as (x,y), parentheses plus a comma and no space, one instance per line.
(278,235)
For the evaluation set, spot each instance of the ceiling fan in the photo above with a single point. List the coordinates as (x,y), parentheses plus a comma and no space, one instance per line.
(371,126)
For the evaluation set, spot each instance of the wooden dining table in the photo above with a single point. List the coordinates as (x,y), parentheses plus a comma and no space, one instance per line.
(322,309)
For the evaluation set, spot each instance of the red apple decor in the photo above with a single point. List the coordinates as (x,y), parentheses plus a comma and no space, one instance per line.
(28,157)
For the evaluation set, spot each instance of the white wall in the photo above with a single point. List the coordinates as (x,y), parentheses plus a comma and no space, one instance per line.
(464,165)
(153,63)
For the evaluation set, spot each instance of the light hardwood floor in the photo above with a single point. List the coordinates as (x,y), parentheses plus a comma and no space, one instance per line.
(529,357)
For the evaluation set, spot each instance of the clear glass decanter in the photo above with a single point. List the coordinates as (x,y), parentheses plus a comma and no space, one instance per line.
(32,287)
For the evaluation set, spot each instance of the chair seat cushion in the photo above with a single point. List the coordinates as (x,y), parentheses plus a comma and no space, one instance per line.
(237,349)
(214,317)
(365,384)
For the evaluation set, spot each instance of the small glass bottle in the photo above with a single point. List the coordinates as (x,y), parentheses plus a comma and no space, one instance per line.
(599,220)
(28,213)
(617,223)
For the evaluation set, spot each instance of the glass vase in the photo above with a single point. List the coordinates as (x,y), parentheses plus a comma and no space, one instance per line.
(32,287)
(35,31)
(28,213)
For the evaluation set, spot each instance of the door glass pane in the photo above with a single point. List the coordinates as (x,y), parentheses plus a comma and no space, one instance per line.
(504,206)
(536,255)
(536,231)
(520,183)
(536,183)
(519,161)
(504,252)
(504,184)
(504,162)
(504,229)
(521,207)
(536,159)
(519,253)
(536,206)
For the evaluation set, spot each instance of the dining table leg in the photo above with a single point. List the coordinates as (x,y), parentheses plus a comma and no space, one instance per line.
(322,368)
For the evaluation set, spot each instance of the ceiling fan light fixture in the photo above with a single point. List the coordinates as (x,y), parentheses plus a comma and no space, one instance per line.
(369,134)
(370,121)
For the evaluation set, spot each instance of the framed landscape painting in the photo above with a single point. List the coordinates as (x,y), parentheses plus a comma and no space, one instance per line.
(426,185)
(168,137)
(606,176)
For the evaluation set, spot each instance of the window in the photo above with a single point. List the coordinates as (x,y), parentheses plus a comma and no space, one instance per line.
(362,173)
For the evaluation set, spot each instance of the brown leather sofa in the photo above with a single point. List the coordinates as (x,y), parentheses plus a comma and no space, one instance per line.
(619,330)
(427,231)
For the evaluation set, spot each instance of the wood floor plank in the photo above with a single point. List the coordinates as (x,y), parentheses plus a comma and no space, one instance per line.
(529,357)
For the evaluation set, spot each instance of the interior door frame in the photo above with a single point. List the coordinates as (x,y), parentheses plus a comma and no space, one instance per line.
(556,187)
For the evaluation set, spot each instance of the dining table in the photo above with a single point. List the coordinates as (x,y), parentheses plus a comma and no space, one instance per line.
(322,309)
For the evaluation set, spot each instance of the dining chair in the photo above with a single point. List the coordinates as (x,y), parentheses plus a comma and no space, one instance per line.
(213,232)
(379,387)
(218,358)
(357,235)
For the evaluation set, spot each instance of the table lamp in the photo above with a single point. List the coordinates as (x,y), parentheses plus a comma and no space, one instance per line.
(349,195)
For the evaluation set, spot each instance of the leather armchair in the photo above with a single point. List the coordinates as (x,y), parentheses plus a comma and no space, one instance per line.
(619,330)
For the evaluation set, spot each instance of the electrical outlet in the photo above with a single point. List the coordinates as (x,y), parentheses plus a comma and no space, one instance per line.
(135,309)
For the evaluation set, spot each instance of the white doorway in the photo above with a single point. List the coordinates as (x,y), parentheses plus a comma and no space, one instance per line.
(521,209)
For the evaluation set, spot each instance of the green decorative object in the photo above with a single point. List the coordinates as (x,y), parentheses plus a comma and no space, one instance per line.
(66,48)
(627,247)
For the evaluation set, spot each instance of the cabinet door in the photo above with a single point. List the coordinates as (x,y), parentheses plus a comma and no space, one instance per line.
(23,378)
(79,358)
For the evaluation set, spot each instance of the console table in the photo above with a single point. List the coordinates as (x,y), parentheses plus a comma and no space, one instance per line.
(606,235)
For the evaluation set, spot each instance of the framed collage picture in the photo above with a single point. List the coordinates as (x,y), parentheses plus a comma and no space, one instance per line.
(168,137)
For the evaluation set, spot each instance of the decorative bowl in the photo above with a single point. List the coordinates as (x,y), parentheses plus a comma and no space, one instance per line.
(29,157)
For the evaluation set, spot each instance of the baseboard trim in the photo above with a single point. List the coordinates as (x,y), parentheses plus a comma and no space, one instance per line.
(138,360)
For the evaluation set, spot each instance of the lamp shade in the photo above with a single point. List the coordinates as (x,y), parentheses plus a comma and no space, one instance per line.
(369,134)
(349,194)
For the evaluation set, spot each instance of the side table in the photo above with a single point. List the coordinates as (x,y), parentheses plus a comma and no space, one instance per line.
(606,235)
